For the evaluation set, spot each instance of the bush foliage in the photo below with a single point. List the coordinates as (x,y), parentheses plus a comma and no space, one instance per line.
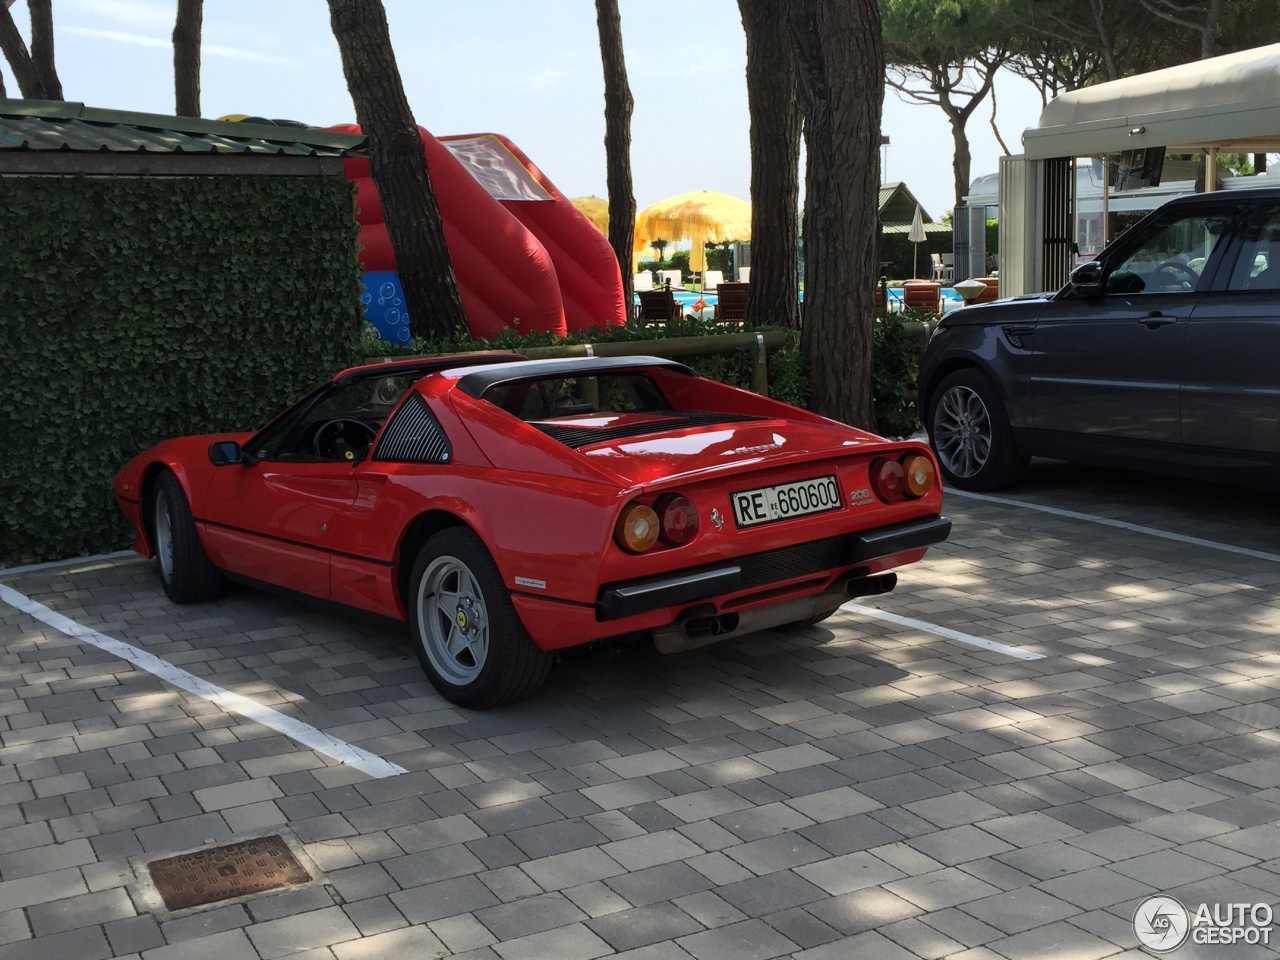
(144,308)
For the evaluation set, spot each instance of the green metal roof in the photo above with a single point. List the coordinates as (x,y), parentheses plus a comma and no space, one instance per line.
(938,228)
(40,125)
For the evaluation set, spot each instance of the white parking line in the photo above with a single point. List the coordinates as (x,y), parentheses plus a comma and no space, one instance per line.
(946,632)
(303,733)
(1122,525)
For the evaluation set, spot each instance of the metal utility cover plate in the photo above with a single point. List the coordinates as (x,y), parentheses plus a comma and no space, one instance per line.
(224,873)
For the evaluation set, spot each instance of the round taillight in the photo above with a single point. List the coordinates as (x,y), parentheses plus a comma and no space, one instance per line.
(637,528)
(888,480)
(677,519)
(920,474)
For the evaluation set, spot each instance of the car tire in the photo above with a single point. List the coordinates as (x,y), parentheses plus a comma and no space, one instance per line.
(186,572)
(468,637)
(969,430)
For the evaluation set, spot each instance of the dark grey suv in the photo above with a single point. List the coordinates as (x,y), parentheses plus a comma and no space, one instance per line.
(1162,354)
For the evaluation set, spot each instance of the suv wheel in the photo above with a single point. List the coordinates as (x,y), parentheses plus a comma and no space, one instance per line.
(969,429)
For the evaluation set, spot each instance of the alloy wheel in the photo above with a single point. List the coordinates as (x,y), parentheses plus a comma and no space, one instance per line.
(164,537)
(962,431)
(454,620)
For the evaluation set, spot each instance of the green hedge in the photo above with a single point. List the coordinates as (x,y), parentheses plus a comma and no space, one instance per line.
(143,308)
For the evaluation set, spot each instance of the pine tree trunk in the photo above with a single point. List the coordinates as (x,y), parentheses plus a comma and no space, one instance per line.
(962,160)
(840,62)
(42,49)
(617,140)
(186,57)
(398,166)
(774,294)
(15,52)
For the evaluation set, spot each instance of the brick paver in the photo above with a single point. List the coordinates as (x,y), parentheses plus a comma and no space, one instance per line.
(857,789)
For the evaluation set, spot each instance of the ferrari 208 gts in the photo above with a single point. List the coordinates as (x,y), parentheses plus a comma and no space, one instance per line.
(508,508)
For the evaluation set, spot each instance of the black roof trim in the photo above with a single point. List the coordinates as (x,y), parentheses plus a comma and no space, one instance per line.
(1257,192)
(474,383)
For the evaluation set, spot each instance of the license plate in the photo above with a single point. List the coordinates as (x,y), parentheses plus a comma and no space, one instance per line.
(785,500)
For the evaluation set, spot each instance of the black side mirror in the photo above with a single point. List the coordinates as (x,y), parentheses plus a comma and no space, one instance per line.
(1087,278)
(225,452)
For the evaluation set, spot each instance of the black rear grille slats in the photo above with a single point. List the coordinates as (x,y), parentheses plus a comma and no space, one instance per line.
(787,563)
(575,437)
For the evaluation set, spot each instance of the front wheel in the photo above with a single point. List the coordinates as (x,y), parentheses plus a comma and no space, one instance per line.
(969,429)
(469,639)
(186,572)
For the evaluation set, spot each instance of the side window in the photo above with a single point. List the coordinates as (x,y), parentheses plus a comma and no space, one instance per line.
(413,436)
(1169,256)
(1258,266)
(337,424)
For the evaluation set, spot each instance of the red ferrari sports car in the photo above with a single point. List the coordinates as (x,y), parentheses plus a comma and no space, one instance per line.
(506,508)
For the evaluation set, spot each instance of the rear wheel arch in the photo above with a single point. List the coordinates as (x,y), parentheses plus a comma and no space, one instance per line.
(943,370)
(420,530)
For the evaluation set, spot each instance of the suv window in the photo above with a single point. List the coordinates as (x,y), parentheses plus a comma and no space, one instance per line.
(1169,256)
(1258,267)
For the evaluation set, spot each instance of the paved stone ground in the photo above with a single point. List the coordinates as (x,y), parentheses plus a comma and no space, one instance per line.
(854,790)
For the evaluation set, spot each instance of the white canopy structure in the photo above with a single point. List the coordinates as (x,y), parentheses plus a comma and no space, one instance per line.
(1229,101)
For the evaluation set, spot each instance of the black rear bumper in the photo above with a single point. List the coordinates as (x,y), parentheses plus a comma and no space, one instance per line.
(630,597)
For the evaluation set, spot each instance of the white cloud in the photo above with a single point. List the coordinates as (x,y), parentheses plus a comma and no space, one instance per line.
(206,49)
(136,13)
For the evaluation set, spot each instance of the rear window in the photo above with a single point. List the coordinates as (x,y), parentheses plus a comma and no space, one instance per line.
(548,399)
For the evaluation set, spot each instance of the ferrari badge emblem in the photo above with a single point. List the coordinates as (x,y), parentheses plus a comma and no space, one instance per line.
(717,519)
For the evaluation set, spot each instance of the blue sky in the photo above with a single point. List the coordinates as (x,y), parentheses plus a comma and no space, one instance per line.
(529,70)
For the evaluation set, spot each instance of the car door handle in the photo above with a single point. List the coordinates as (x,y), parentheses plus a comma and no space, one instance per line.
(1156,319)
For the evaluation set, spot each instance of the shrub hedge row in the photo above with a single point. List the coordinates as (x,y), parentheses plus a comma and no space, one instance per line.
(143,308)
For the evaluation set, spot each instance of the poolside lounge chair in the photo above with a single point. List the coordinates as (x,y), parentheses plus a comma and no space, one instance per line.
(642,281)
(712,279)
(732,301)
(922,295)
(991,293)
(744,274)
(658,306)
(673,278)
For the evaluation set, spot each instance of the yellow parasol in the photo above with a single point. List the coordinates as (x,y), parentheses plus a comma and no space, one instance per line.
(595,210)
(700,217)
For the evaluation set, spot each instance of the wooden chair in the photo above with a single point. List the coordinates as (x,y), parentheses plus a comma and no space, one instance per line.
(922,295)
(658,306)
(991,293)
(732,301)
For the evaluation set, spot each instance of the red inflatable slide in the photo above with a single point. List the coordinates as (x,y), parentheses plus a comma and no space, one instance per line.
(522,253)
